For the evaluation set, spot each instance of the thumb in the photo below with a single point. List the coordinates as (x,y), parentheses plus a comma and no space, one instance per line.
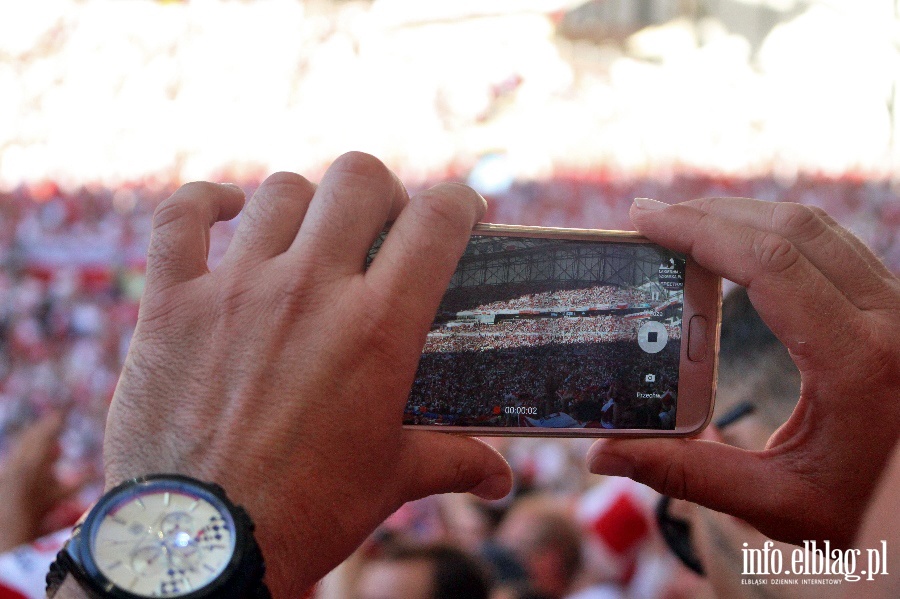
(746,484)
(440,463)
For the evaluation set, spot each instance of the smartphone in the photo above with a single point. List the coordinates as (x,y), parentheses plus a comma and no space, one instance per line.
(570,333)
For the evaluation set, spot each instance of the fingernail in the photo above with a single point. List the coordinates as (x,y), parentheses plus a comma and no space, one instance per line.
(233,185)
(612,465)
(493,487)
(648,204)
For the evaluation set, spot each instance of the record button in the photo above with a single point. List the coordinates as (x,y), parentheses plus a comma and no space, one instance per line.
(652,337)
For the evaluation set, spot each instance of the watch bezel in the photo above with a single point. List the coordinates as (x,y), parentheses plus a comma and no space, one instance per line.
(80,546)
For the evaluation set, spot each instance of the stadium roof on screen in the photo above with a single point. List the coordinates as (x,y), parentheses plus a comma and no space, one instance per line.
(503,260)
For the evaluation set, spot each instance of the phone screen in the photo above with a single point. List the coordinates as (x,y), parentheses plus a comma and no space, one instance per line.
(554,333)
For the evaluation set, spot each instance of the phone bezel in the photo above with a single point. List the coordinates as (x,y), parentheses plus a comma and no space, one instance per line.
(696,379)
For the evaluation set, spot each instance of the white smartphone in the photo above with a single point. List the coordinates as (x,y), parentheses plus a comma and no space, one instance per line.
(570,332)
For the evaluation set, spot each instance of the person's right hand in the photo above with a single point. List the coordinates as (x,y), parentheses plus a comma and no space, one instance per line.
(837,309)
(283,374)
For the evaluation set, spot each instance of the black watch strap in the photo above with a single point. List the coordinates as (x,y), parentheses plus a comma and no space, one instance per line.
(59,569)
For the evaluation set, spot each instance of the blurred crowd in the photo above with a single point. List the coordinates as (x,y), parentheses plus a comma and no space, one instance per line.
(561,534)
(71,275)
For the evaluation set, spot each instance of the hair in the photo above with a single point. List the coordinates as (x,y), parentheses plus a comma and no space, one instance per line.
(551,528)
(457,575)
(752,359)
(558,532)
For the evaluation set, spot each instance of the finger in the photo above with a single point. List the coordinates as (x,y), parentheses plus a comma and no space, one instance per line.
(271,219)
(68,489)
(873,261)
(693,470)
(39,446)
(422,249)
(440,463)
(791,295)
(355,199)
(833,250)
(179,242)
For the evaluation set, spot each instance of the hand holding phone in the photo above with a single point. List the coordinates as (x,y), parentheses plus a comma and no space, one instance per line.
(837,309)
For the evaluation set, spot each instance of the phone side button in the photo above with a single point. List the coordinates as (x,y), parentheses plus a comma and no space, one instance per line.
(697,329)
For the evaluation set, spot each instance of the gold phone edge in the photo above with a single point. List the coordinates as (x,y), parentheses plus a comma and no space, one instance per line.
(576,234)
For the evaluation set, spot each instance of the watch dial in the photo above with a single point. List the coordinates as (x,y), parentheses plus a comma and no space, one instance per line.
(163,543)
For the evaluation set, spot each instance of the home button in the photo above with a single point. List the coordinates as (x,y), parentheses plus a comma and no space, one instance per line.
(697,329)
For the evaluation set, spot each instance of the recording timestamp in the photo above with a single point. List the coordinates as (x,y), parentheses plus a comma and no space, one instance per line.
(516,410)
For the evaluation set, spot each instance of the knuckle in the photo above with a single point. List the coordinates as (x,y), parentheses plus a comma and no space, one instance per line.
(235,294)
(288,184)
(269,202)
(774,253)
(170,211)
(883,358)
(464,475)
(819,212)
(440,210)
(797,221)
(287,178)
(298,287)
(705,204)
(674,480)
(188,201)
(363,166)
(379,332)
(197,189)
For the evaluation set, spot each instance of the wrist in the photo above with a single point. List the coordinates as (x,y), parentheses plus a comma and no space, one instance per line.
(70,590)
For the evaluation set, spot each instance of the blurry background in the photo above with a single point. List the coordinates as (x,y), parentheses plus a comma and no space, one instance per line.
(558,111)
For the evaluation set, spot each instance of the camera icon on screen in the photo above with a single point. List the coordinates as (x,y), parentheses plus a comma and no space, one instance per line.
(650,378)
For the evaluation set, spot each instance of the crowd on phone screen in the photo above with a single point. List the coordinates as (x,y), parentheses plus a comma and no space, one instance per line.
(570,299)
(587,367)
(71,272)
(597,384)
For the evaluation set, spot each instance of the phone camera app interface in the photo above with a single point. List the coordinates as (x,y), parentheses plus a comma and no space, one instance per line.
(551,333)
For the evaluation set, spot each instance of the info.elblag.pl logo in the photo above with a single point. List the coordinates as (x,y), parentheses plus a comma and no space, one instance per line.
(812,564)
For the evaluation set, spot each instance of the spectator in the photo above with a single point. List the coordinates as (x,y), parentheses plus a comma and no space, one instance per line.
(546,541)
(430,572)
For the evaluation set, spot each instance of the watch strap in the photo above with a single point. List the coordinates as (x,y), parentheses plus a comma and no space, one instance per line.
(59,569)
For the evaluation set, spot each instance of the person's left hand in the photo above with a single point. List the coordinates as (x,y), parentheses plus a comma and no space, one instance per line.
(29,488)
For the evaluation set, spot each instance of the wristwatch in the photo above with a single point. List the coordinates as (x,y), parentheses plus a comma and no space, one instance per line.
(163,535)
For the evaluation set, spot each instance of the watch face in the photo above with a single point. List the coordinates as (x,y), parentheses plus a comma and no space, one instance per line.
(162,539)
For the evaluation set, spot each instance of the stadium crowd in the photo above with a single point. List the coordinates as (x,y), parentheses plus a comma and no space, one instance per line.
(570,299)
(509,334)
(578,379)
